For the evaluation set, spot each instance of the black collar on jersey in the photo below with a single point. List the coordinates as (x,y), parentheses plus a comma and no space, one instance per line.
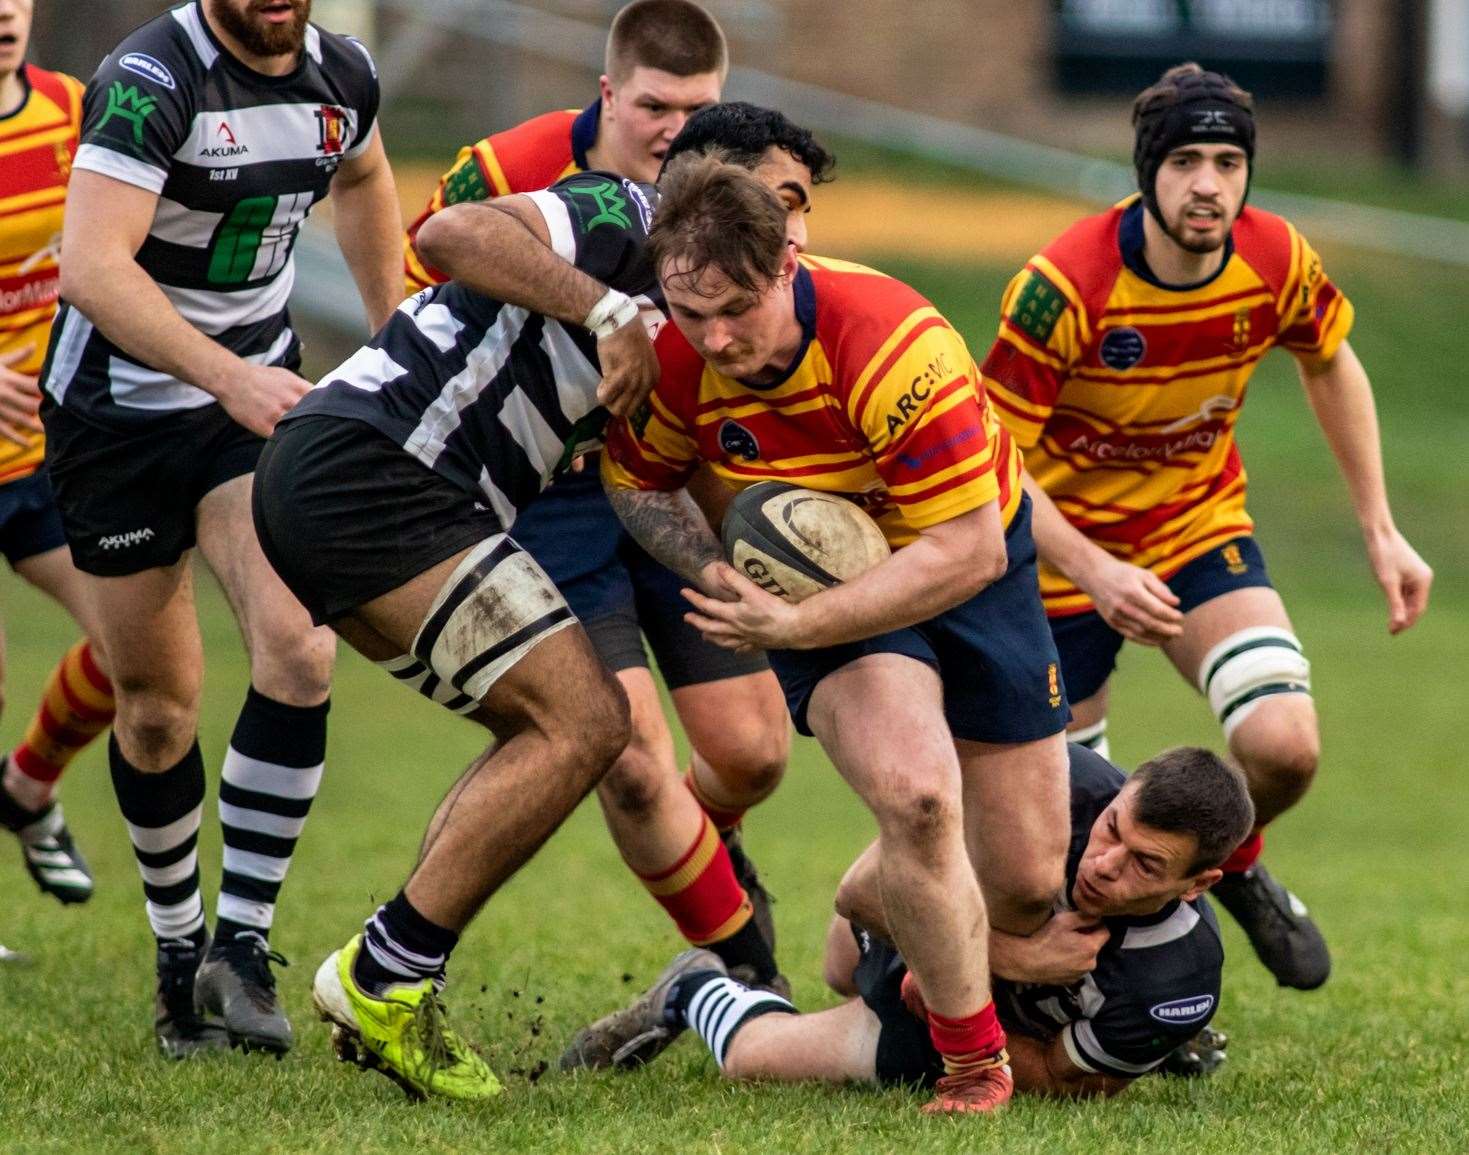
(234,64)
(25,95)
(1131,238)
(805,294)
(584,130)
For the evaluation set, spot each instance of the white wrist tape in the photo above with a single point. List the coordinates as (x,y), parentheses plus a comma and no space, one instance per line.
(611,313)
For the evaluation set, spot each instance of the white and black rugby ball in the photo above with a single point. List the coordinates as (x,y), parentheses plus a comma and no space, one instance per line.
(795,542)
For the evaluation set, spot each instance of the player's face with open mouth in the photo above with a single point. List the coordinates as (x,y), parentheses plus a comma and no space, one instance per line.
(1200,189)
(15,32)
(647,110)
(1131,869)
(745,334)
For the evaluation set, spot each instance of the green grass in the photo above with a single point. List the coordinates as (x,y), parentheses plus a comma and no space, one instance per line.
(1372,1062)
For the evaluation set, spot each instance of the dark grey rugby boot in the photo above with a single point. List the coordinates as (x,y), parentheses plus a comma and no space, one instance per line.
(181,1031)
(1278,926)
(235,983)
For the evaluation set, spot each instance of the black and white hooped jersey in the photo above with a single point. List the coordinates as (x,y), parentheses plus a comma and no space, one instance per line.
(237,159)
(490,396)
(1156,982)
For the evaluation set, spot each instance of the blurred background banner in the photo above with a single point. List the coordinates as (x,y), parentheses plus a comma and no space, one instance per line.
(1272,47)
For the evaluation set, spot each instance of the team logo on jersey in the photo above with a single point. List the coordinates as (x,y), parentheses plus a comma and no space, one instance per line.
(1234,561)
(738,441)
(1208,407)
(1189,1010)
(130,106)
(610,204)
(1053,684)
(1122,348)
(331,127)
(225,143)
(1241,330)
(1038,307)
(645,209)
(148,68)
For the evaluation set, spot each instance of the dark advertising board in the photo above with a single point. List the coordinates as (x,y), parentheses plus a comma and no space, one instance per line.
(1274,47)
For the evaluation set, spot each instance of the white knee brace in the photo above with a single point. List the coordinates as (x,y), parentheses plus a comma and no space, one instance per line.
(1251,665)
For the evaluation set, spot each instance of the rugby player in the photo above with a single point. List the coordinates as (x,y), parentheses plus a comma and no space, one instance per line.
(930,680)
(665,60)
(1122,976)
(208,134)
(453,419)
(40,120)
(1124,351)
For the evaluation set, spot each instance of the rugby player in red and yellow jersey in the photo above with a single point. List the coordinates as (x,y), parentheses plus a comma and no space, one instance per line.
(931,680)
(665,61)
(1124,351)
(40,117)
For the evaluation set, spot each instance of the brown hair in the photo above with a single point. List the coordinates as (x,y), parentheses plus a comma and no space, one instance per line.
(674,36)
(1190,790)
(712,212)
(1185,80)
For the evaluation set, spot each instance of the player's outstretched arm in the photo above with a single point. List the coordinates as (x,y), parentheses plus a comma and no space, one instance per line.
(1046,1069)
(1341,397)
(1133,601)
(106,223)
(368,227)
(503,249)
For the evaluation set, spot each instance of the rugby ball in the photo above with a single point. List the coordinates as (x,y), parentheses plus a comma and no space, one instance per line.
(795,542)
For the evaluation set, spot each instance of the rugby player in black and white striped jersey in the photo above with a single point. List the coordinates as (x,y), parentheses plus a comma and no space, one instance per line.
(1122,980)
(208,134)
(384,501)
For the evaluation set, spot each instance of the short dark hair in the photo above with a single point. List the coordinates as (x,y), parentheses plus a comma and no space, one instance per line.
(712,212)
(1190,790)
(745,131)
(675,36)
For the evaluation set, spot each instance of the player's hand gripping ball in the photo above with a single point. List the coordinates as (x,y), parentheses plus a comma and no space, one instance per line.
(794,542)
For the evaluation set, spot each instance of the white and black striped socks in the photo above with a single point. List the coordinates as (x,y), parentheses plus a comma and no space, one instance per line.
(717,1006)
(162,813)
(270,777)
(400,945)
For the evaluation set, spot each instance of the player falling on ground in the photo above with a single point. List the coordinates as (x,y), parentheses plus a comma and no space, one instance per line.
(40,119)
(1122,976)
(454,417)
(208,135)
(665,60)
(1121,365)
(930,680)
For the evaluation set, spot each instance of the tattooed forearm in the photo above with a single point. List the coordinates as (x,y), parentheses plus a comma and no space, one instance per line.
(669,526)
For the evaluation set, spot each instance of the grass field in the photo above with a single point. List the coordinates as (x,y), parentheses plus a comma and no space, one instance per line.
(1371,1062)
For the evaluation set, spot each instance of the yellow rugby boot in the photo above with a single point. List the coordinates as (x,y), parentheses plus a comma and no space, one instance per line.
(403,1034)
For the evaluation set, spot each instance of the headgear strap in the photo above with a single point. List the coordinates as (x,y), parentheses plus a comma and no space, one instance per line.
(1206,111)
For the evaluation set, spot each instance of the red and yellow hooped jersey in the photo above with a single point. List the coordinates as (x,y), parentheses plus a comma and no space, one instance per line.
(533,155)
(884,406)
(37,144)
(1124,392)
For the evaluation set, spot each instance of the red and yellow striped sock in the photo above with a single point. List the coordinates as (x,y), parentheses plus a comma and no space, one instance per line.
(76,706)
(970,1043)
(723,819)
(700,891)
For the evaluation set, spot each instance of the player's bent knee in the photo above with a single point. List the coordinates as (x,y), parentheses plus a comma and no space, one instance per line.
(917,817)
(1247,669)
(1283,746)
(154,730)
(637,778)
